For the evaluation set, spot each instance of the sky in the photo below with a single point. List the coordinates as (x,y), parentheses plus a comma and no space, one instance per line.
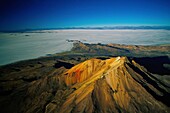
(33,14)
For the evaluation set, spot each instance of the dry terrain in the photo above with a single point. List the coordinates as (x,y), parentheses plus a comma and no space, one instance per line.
(91,78)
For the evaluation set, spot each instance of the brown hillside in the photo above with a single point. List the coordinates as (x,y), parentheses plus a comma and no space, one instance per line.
(112,85)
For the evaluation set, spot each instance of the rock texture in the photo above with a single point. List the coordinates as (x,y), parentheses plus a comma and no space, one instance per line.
(117,84)
(89,79)
(112,85)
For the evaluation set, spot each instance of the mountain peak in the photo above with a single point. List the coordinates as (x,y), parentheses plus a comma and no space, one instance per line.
(97,85)
(94,68)
(112,85)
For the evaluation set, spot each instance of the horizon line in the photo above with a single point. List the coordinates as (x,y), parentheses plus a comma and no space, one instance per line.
(154,27)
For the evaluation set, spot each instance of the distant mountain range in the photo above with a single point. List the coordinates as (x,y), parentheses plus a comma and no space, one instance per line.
(99,28)
(123,27)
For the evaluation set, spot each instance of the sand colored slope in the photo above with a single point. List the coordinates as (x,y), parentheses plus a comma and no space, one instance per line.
(112,85)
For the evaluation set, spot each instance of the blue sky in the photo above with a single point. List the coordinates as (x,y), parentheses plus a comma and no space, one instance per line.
(31,14)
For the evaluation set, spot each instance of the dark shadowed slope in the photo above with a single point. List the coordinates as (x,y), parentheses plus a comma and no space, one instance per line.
(159,65)
(116,84)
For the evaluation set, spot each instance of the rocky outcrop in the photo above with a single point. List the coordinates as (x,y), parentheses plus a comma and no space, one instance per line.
(112,85)
(72,85)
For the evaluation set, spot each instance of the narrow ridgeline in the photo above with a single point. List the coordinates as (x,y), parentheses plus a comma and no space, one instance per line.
(116,84)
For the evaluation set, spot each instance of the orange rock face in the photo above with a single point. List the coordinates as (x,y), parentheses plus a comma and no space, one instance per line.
(112,85)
